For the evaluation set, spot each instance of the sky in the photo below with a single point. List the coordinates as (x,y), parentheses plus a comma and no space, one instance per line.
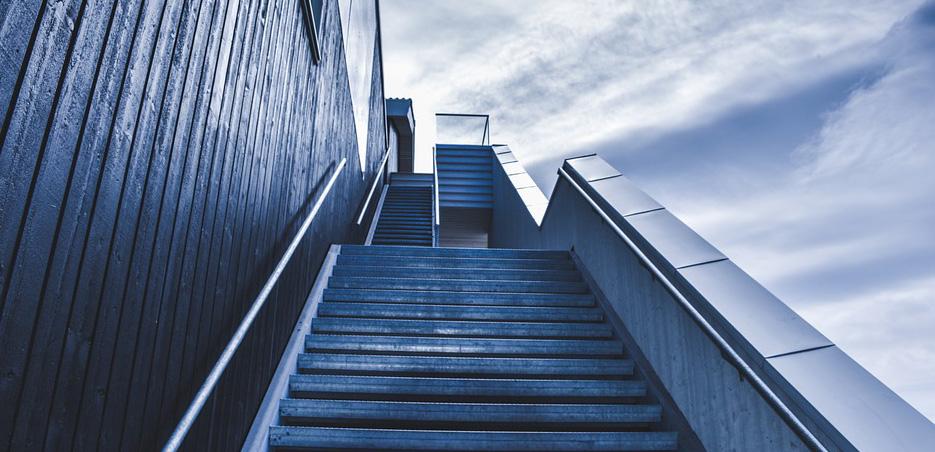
(798,136)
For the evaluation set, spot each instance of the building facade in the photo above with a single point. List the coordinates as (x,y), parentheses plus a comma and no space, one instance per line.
(155,160)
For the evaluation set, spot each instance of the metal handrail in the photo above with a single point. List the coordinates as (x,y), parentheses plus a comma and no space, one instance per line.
(373,187)
(201,397)
(758,384)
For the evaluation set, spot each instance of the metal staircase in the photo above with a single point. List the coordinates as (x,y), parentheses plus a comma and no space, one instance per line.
(406,215)
(464,349)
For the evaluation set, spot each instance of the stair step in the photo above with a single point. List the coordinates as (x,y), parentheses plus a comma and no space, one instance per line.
(454,252)
(402,215)
(401,234)
(460,328)
(427,221)
(407,242)
(458,298)
(350,282)
(507,416)
(457,273)
(407,228)
(462,366)
(450,312)
(357,387)
(386,439)
(455,262)
(399,345)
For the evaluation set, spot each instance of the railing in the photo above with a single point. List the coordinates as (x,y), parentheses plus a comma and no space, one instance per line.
(462,128)
(188,419)
(436,212)
(727,351)
(373,187)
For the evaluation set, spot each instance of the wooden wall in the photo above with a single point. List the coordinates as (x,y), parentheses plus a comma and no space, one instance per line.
(155,159)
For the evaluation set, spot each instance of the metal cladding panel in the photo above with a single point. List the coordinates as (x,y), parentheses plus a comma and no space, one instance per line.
(592,168)
(765,321)
(673,240)
(513,168)
(522,180)
(532,196)
(506,157)
(623,196)
(538,212)
(870,415)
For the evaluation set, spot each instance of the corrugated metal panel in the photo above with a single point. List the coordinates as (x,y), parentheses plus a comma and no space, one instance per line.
(464,176)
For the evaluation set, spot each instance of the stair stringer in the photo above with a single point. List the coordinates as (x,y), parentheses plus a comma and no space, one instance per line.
(268,413)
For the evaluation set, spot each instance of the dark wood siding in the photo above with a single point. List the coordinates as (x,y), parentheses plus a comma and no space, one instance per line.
(155,160)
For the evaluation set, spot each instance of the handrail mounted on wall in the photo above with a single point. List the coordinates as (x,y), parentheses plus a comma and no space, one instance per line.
(201,397)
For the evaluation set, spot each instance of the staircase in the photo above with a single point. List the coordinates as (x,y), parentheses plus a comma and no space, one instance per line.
(464,349)
(464,176)
(406,215)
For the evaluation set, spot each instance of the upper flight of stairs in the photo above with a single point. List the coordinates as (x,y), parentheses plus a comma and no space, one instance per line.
(406,215)
(464,176)
(464,349)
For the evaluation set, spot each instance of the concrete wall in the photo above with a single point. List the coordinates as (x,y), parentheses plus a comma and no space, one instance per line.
(815,379)
(155,160)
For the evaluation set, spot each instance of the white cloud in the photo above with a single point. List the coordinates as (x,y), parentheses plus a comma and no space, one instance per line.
(840,227)
(557,75)
(855,212)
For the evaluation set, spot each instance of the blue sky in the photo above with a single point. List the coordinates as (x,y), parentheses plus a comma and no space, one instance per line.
(797,136)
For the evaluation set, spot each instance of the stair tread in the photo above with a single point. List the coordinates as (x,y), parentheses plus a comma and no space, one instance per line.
(457,273)
(458,365)
(425,311)
(476,387)
(455,262)
(373,282)
(593,413)
(358,438)
(457,298)
(477,252)
(477,346)
(459,328)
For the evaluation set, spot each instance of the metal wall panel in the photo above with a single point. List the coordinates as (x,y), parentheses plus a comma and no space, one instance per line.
(155,160)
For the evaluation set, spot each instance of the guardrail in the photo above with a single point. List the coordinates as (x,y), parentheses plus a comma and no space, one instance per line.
(201,397)
(462,128)
(727,351)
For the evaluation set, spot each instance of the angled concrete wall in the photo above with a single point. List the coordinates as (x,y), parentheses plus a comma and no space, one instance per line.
(842,404)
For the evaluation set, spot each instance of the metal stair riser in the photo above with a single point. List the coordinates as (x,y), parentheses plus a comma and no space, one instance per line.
(422,345)
(509,416)
(455,262)
(443,312)
(459,298)
(349,282)
(456,273)
(453,252)
(359,387)
(459,328)
(451,365)
(338,438)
